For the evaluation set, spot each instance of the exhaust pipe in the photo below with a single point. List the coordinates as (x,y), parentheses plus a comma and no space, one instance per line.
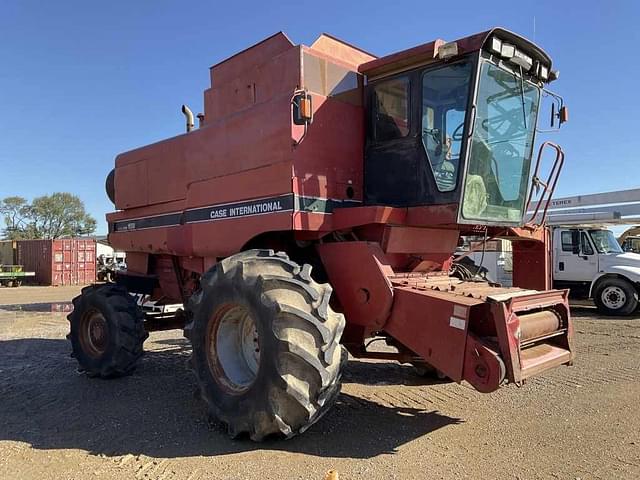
(189,117)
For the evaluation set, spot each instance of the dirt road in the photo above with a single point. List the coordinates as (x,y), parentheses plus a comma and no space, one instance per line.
(577,422)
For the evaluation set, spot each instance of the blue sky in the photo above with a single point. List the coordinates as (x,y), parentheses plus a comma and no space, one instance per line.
(81,81)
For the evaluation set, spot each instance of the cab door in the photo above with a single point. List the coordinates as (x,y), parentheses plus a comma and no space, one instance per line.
(575,258)
(391,161)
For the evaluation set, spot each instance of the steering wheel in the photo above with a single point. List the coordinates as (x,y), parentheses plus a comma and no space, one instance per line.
(457,133)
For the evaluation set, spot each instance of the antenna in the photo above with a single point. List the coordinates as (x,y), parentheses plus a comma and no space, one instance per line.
(534,29)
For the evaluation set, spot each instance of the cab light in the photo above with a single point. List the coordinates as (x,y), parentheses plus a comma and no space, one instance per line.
(495,45)
(544,72)
(507,50)
(522,59)
(448,50)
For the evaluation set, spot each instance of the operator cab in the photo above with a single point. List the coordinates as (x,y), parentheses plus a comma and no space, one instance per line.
(454,123)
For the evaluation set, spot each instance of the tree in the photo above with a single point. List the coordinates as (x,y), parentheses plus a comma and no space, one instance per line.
(14,210)
(50,216)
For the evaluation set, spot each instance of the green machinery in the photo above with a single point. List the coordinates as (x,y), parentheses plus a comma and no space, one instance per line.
(13,275)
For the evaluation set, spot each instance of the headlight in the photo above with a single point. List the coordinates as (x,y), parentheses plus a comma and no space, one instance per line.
(507,50)
(544,72)
(496,45)
(522,59)
(448,50)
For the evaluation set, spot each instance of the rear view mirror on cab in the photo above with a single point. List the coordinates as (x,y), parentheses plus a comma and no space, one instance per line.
(302,108)
(563,115)
(575,242)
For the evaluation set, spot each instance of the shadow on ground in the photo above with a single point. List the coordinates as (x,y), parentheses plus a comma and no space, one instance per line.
(589,312)
(155,412)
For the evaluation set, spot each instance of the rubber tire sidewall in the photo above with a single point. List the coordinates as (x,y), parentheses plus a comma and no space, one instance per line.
(257,395)
(93,366)
(632,297)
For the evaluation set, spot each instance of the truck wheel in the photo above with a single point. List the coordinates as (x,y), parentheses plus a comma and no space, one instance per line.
(107,331)
(266,351)
(616,296)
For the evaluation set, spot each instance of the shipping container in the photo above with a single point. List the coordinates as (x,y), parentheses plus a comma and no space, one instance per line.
(64,261)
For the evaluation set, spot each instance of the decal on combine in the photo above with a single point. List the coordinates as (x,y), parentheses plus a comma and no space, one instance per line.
(249,208)
(225,211)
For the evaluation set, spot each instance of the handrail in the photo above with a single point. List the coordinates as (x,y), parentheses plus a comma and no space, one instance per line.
(548,187)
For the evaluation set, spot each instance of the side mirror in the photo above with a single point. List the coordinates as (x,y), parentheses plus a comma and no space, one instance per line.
(302,108)
(563,115)
(575,242)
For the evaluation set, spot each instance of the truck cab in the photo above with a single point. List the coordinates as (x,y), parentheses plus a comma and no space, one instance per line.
(589,261)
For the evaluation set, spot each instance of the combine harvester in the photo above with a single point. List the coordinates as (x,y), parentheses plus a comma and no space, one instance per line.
(317,205)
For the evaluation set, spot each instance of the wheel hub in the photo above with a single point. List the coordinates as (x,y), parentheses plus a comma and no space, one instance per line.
(613,297)
(94,334)
(233,348)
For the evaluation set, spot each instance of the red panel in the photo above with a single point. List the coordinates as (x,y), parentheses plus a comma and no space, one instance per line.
(257,84)
(358,272)
(254,55)
(434,325)
(532,263)
(436,243)
(271,180)
(132,186)
(330,158)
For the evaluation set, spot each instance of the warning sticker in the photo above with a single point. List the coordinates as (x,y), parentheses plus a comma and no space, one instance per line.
(456,322)
(460,311)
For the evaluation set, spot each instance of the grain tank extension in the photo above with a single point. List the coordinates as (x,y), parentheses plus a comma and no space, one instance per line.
(318,205)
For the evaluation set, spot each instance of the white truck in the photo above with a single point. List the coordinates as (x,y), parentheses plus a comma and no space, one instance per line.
(587,258)
(590,261)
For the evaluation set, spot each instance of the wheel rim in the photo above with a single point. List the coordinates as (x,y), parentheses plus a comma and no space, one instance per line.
(613,297)
(233,348)
(94,333)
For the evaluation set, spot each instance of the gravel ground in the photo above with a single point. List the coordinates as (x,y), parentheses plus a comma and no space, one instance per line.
(575,422)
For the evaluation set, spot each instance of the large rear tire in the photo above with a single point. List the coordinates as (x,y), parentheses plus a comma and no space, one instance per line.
(107,331)
(616,296)
(266,351)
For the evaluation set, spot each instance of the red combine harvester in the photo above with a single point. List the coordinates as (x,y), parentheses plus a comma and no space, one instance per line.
(319,204)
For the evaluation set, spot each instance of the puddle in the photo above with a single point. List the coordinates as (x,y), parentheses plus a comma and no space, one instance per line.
(39,307)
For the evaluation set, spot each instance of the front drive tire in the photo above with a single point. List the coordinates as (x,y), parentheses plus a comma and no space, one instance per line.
(616,296)
(266,351)
(107,331)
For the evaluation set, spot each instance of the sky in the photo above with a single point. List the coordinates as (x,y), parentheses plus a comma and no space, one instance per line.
(81,81)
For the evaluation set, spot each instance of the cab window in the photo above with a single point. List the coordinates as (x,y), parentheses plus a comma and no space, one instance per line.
(567,241)
(391,109)
(445,94)
(585,245)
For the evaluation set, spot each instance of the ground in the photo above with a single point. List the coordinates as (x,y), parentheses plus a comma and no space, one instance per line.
(574,422)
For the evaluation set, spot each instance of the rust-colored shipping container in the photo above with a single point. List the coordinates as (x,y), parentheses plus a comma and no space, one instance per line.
(64,261)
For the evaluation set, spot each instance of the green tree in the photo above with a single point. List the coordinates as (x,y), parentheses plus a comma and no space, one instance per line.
(14,210)
(50,216)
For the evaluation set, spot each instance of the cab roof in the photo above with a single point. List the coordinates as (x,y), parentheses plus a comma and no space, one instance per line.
(428,52)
